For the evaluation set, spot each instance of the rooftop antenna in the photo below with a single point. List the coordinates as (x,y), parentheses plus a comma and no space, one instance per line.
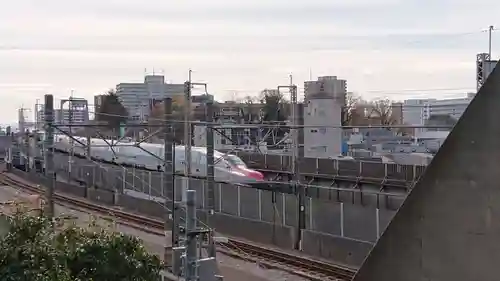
(310,74)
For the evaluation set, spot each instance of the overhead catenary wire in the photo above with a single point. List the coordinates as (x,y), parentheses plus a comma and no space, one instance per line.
(268,124)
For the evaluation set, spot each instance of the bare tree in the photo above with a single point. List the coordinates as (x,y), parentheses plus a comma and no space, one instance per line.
(351,103)
(249,100)
(156,118)
(248,106)
(382,110)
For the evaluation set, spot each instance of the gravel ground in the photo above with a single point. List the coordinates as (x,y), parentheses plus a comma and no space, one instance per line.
(231,268)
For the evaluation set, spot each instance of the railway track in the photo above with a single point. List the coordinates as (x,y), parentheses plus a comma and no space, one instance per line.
(273,258)
(320,270)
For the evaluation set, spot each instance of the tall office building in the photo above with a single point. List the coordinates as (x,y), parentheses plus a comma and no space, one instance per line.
(138,98)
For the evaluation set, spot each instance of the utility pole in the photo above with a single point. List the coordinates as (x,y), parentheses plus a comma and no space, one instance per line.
(71,141)
(191,232)
(187,129)
(37,116)
(210,192)
(169,191)
(490,31)
(88,147)
(22,135)
(21,120)
(49,154)
(191,237)
(26,148)
(295,181)
(188,85)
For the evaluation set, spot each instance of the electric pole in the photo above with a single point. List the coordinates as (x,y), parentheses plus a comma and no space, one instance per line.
(295,181)
(490,31)
(169,191)
(71,141)
(191,237)
(187,129)
(49,154)
(210,192)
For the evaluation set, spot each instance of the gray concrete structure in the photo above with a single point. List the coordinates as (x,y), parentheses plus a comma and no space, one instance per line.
(448,227)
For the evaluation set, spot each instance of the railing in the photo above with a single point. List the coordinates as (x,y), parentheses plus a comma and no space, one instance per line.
(334,167)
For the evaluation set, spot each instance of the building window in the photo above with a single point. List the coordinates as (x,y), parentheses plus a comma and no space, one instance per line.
(322,130)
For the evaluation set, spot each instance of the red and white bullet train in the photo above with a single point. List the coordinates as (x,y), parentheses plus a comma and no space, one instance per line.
(227,168)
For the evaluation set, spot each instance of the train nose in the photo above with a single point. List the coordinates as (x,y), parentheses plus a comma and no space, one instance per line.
(256,175)
(253,174)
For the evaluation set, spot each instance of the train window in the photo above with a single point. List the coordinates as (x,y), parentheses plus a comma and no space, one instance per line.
(203,159)
(196,157)
(234,160)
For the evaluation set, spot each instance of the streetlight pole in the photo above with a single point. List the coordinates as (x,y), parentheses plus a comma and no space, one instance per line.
(490,30)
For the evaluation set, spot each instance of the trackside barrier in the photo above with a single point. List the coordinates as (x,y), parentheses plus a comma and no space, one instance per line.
(334,167)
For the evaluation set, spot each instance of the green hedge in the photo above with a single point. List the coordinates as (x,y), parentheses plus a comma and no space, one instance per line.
(36,248)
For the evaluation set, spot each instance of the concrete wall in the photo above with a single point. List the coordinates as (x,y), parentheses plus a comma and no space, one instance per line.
(347,251)
(340,213)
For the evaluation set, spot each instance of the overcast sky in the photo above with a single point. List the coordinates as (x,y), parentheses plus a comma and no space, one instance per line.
(382,47)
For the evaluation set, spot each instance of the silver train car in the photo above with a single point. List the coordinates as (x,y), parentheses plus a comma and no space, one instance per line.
(227,168)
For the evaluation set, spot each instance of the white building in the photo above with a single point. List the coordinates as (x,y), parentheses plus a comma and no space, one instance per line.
(137,97)
(324,101)
(417,111)
(79,114)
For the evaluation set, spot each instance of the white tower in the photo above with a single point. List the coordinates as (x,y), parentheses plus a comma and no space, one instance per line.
(324,101)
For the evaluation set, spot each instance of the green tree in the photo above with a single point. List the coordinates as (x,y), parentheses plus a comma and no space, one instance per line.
(274,106)
(36,249)
(275,111)
(112,112)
